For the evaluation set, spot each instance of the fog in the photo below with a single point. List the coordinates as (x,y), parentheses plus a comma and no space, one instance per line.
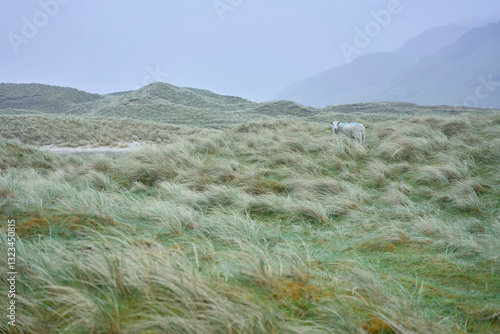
(251,49)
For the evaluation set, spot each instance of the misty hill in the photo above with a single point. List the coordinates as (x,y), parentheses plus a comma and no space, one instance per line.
(190,97)
(43,98)
(53,99)
(418,72)
(158,102)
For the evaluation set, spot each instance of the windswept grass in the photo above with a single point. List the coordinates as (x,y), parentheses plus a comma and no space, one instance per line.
(266,227)
(72,132)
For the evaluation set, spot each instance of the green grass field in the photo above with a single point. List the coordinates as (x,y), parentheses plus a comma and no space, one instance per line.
(267,226)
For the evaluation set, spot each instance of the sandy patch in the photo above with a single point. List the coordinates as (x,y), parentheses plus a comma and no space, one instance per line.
(133,146)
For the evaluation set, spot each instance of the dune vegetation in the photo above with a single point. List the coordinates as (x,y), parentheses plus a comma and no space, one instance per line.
(272,226)
(41,130)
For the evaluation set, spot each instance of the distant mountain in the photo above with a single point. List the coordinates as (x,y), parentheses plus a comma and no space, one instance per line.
(466,72)
(441,66)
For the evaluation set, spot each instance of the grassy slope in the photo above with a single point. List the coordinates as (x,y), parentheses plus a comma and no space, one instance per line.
(273,226)
(42,98)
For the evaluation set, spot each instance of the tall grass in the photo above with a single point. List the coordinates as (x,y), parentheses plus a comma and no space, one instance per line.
(73,132)
(266,227)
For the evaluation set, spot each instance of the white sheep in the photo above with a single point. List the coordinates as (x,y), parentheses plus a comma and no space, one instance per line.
(353,130)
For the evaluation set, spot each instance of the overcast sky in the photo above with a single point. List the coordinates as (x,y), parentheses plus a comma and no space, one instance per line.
(247,48)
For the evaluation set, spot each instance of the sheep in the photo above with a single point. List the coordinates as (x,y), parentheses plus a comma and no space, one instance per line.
(353,130)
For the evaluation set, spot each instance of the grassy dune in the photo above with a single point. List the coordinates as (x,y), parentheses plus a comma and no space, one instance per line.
(265,227)
(42,98)
(72,131)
